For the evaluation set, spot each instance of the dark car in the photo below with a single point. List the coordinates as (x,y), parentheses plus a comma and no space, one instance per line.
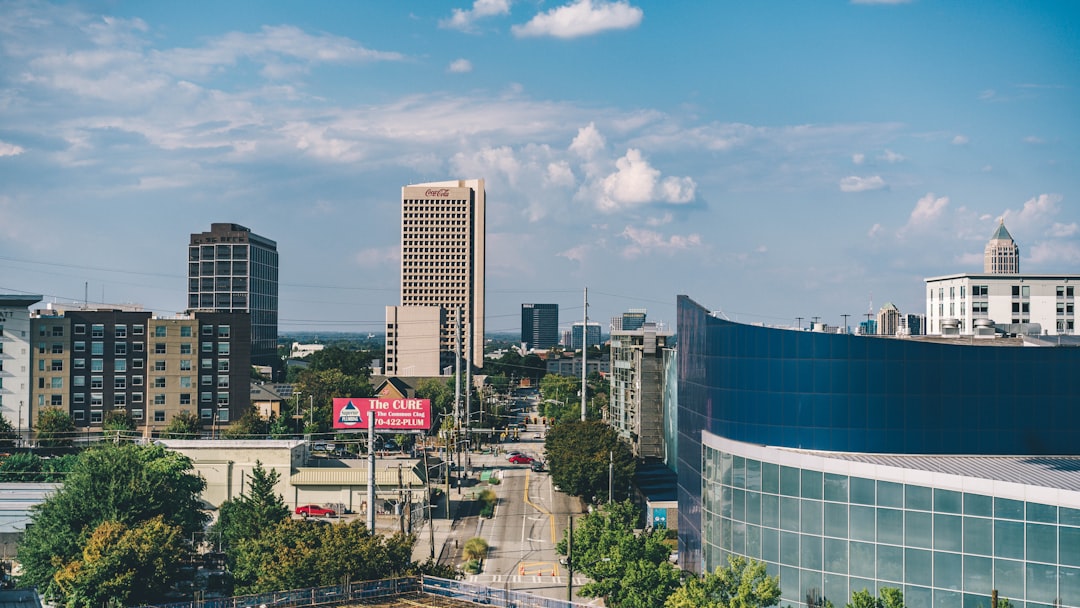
(315,511)
(520,459)
(537,465)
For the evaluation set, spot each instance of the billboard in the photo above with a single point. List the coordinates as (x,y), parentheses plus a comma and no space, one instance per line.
(352,413)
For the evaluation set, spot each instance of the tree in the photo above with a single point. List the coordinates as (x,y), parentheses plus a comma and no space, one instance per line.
(475,548)
(129,484)
(321,387)
(124,564)
(251,425)
(294,554)
(744,583)
(349,362)
(8,436)
(628,568)
(578,457)
(118,424)
(55,428)
(888,597)
(184,425)
(247,515)
(440,392)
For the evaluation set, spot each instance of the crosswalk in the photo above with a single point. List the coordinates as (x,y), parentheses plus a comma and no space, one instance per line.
(503,579)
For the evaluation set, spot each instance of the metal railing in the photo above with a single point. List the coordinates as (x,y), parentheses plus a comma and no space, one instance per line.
(374,590)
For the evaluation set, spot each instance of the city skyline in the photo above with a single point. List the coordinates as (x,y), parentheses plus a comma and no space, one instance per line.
(774,161)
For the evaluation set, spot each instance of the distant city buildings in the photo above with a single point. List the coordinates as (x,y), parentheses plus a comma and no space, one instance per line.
(232,269)
(15,369)
(888,320)
(1001,298)
(630,320)
(575,335)
(539,326)
(442,268)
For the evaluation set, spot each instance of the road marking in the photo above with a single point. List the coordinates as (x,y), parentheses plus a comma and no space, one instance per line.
(551,516)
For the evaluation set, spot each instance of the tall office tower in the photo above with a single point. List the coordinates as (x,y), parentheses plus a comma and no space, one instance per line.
(636,404)
(232,269)
(1002,255)
(539,325)
(442,265)
(593,335)
(633,319)
(888,319)
(15,351)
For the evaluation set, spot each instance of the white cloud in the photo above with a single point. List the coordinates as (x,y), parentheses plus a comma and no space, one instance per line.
(575,254)
(874,231)
(1031,139)
(643,242)
(970,259)
(667,218)
(928,209)
(581,18)
(855,183)
(560,174)
(464,20)
(858,158)
(892,157)
(588,142)
(1035,210)
(1060,230)
(987,95)
(960,140)
(635,182)
(1055,253)
(460,66)
(377,257)
(7,149)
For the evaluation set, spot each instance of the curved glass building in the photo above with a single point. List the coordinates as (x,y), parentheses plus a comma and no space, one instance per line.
(946,468)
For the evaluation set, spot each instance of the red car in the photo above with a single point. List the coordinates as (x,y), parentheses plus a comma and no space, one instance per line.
(520,459)
(315,511)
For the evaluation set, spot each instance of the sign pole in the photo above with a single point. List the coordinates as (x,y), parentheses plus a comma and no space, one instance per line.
(371,473)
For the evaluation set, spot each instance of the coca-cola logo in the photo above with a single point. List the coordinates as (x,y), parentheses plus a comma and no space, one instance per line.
(437,192)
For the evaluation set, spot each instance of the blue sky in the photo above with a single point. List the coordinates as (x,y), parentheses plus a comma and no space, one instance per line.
(771,160)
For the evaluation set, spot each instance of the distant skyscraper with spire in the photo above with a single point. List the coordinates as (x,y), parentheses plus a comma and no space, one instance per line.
(1002,255)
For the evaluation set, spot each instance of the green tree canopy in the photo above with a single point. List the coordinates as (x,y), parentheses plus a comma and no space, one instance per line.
(184,425)
(124,564)
(251,425)
(888,597)
(320,387)
(24,467)
(55,428)
(248,515)
(629,568)
(8,435)
(441,394)
(128,484)
(347,361)
(295,553)
(742,584)
(578,454)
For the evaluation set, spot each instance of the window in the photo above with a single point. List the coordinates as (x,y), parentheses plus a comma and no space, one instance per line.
(159,415)
(120,366)
(223,399)
(79,398)
(136,397)
(56,365)
(95,400)
(185,398)
(159,331)
(206,397)
(56,383)
(159,399)
(97,330)
(58,331)
(185,365)
(223,331)
(185,381)
(159,382)
(223,415)
(121,331)
(78,415)
(137,347)
(1016,291)
(207,364)
(78,381)
(79,363)
(97,348)
(79,347)
(95,416)
(121,349)
(80,329)
(159,348)
(207,380)
(120,400)
(206,413)
(159,366)
(980,290)
(185,331)
(97,382)
(223,349)
(97,365)
(185,349)
(120,383)
(223,381)
(223,365)
(56,400)
(136,381)
(57,349)
(207,347)
(136,414)
(208,330)
(137,364)
(138,330)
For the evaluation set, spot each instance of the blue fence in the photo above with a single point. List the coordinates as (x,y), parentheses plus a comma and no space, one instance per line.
(385,588)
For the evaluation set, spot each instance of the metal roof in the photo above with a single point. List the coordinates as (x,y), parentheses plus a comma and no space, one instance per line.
(385,476)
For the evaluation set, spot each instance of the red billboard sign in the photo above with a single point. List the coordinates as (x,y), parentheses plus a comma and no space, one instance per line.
(352,413)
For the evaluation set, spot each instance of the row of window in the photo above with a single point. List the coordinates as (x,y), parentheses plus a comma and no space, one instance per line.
(96,416)
(120,399)
(220,252)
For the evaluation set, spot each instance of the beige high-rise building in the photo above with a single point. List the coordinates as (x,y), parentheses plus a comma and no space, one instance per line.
(1002,255)
(442,266)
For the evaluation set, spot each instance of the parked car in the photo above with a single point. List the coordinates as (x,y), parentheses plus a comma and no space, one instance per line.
(520,459)
(315,511)
(537,465)
(512,453)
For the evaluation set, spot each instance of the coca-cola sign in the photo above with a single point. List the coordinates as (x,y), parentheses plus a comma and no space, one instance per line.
(437,193)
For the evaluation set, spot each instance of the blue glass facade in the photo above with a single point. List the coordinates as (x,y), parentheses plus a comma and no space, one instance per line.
(843,393)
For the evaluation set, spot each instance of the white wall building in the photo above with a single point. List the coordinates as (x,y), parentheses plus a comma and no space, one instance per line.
(1046,300)
(15,341)
(412,340)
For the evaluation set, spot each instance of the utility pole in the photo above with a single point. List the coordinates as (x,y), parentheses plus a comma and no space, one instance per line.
(845,316)
(814,320)
(457,396)
(570,559)
(611,477)
(798,322)
(427,498)
(584,360)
